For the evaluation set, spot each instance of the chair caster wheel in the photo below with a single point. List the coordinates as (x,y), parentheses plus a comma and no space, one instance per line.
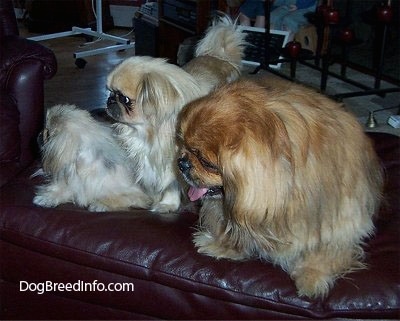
(80,63)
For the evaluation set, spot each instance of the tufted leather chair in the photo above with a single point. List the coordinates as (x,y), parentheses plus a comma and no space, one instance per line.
(24,65)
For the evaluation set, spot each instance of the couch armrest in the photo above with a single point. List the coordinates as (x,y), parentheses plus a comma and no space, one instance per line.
(8,21)
(15,50)
(24,65)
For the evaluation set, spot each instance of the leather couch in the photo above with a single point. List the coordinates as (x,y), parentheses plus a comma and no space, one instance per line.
(58,263)
(24,65)
(88,252)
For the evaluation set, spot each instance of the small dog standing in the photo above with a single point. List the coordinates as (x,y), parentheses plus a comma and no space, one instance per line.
(285,175)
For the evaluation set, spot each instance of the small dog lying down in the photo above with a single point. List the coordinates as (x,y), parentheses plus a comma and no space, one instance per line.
(84,164)
(285,175)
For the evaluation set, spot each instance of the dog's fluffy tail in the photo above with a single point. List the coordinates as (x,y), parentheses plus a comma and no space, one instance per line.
(223,40)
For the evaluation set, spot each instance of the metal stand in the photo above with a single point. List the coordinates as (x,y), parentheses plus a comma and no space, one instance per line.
(265,64)
(377,74)
(122,43)
(327,19)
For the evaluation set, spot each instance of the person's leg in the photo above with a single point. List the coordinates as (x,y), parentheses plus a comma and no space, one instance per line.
(276,17)
(278,3)
(260,22)
(244,20)
(260,15)
(247,12)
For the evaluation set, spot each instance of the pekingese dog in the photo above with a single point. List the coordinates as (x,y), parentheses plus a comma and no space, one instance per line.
(84,165)
(285,174)
(148,93)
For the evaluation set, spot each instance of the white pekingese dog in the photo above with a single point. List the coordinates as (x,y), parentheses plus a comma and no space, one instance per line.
(285,175)
(148,93)
(84,165)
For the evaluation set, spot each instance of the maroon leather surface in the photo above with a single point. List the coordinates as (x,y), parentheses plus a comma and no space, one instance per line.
(173,281)
(24,65)
(8,22)
(10,146)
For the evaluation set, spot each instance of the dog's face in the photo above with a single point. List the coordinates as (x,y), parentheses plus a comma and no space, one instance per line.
(124,91)
(207,137)
(147,90)
(230,146)
(119,106)
(200,168)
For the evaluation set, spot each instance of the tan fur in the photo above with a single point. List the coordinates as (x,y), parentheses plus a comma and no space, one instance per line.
(84,165)
(157,91)
(211,72)
(301,180)
(218,56)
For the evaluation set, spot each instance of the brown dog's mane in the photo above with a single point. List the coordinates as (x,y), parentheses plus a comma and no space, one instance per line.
(301,180)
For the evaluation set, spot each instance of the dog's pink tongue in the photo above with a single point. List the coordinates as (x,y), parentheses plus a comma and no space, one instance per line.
(195,193)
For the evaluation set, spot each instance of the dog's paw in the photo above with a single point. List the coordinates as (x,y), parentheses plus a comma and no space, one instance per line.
(44,201)
(164,208)
(98,207)
(312,283)
(207,245)
(120,202)
(202,239)
(170,202)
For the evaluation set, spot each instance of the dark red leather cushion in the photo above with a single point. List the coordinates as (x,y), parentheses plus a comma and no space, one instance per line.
(172,281)
(10,140)
(8,21)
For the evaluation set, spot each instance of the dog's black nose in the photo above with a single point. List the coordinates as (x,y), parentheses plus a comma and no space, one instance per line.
(184,164)
(111,100)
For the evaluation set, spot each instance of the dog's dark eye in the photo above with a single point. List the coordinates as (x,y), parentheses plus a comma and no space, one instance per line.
(204,162)
(207,165)
(124,100)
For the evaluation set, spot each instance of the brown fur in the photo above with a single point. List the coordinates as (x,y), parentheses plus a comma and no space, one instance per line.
(301,180)
(211,72)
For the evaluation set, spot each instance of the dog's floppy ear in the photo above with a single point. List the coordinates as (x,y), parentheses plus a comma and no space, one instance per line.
(156,91)
(256,180)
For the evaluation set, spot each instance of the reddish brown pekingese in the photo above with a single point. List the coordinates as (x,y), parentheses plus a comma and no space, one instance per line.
(286,175)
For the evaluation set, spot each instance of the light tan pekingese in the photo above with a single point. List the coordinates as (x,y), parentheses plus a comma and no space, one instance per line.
(84,165)
(285,174)
(148,93)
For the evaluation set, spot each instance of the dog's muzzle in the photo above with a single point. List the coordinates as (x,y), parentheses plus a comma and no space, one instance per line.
(112,108)
(184,165)
(195,192)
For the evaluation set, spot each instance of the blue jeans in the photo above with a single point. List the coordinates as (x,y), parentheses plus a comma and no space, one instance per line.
(253,8)
(283,19)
